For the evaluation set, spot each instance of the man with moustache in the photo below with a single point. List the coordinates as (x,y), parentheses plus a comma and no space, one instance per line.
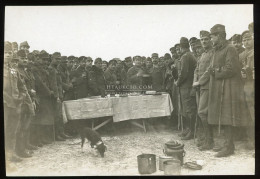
(120,71)
(227,107)
(236,40)
(25,46)
(104,65)
(201,81)
(184,82)
(157,74)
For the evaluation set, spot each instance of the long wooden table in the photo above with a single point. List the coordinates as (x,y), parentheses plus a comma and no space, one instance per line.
(120,108)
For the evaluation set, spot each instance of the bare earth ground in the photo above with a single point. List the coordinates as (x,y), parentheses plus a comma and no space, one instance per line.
(64,159)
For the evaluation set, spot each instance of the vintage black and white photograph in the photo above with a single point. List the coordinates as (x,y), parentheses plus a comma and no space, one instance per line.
(129,90)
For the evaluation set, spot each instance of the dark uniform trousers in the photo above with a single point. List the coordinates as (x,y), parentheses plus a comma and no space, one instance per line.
(11,121)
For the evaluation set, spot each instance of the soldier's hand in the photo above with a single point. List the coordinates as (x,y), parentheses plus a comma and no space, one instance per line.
(195,84)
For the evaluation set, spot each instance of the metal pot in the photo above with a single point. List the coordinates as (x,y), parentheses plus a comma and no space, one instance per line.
(163,159)
(172,167)
(177,154)
(146,163)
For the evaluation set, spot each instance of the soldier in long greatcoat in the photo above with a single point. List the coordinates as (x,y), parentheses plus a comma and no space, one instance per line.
(227,107)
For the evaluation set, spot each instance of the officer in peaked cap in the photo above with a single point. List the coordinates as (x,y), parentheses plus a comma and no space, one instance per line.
(22,54)
(56,55)
(8,52)
(236,40)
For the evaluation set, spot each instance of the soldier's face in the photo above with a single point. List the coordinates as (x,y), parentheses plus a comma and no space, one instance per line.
(119,64)
(104,66)
(138,61)
(214,39)
(237,44)
(88,63)
(199,50)
(112,66)
(205,42)
(98,64)
(8,55)
(248,42)
(178,51)
(149,64)
(24,48)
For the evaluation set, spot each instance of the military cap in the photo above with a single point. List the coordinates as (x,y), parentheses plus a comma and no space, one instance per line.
(172,49)
(89,59)
(192,40)
(25,43)
(236,38)
(98,60)
(167,55)
(218,28)
(162,58)
(81,58)
(8,46)
(198,43)
(251,27)
(204,33)
(56,55)
(184,42)
(112,62)
(128,59)
(148,59)
(21,53)
(176,45)
(246,35)
(36,52)
(31,56)
(44,54)
(71,57)
(136,57)
(155,55)
(14,44)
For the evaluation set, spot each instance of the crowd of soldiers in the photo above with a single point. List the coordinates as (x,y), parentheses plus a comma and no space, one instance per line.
(211,84)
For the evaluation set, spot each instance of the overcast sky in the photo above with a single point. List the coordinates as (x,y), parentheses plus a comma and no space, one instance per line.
(118,31)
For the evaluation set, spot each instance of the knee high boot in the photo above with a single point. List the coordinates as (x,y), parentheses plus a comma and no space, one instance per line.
(229,146)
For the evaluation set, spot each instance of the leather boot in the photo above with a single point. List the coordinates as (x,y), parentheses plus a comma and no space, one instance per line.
(208,145)
(65,136)
(224,152)
(189,136)
(191,123)
(229,146)
(27,142)
(184,133)
(59,138)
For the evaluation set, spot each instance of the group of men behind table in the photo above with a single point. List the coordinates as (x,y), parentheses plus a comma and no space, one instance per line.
(211,85)
(214,86)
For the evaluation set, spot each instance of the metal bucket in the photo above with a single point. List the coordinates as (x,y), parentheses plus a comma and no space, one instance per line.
(172,167)
(163,159)
(177,154)
(146,163)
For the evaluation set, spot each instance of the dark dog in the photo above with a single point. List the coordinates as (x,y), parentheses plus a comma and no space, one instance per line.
(94,138)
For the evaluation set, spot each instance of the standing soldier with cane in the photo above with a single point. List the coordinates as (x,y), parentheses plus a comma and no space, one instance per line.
(227,105)
(184,82)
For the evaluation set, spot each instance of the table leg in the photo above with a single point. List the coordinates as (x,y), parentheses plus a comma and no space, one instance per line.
(102,124)
(139,125)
